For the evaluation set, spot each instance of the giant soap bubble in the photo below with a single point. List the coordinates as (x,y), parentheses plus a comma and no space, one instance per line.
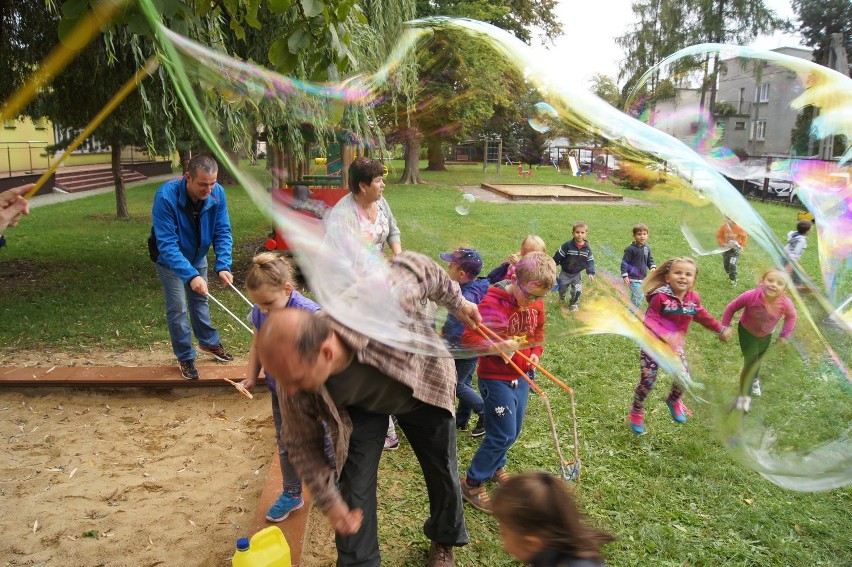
(797,433)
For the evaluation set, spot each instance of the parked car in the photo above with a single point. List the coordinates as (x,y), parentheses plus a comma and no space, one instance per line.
(777,189)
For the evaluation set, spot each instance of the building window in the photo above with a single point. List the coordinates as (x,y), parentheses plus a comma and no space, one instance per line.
(739,125)
(761,94)
(759,130)
(40,123)
(90,146)
(9,124)
(720,129)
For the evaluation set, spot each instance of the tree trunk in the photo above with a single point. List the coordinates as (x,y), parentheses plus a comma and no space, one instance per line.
(184,157)
(411,173)
(435,155)
(120,193)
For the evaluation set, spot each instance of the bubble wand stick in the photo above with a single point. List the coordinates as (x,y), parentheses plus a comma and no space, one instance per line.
(570,470)
(237,385)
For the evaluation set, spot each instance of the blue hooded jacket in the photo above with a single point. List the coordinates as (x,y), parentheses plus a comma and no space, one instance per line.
(473,291)
(181,244)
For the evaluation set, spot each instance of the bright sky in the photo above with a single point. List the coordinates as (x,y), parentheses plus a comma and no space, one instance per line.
(588,46)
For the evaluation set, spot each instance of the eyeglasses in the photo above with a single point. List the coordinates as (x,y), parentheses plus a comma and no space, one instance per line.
(529,296)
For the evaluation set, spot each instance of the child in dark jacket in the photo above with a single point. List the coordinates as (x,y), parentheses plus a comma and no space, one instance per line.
(672,306)
(514,310)
(465,265)
(636,262)
(573,257)
(541,526)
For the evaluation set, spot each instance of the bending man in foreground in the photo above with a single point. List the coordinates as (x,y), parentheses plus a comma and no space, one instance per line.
(335,376)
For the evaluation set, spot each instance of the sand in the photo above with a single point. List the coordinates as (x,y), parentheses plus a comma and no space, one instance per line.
(128,476)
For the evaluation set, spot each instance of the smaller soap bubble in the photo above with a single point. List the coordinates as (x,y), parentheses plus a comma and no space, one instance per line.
(543,117)
(465,204)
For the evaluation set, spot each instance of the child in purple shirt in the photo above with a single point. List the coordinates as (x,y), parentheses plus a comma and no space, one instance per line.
(269,284)
(763,307)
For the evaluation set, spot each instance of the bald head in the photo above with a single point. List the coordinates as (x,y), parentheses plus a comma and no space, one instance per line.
(294,347)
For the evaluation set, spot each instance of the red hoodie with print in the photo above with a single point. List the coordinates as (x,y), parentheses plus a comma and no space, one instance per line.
(502,314)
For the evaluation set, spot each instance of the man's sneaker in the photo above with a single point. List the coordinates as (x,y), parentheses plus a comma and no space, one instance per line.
(218,352)
(678,410)
(461,426)
(575,307)
(755,388)
(283,506)
(392,442)
(500,476)
(637,423)
(476,496)
(733,283)
(188,370)
(441,555)
(479,429)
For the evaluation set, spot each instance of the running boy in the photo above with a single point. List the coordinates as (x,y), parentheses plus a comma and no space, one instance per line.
(636,262)
(574,256)
(733,236)
(797,241)
(465,265)
(515,311)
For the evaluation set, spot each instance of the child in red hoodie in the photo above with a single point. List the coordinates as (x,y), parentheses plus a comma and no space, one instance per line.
(514,310)
(672,306)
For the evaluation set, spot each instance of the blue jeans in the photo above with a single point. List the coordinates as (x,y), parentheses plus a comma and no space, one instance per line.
(504,409)
(636,295)
(469,400)
(178,294)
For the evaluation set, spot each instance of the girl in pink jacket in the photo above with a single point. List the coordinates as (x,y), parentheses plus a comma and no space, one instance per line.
(763,307)
(672,306)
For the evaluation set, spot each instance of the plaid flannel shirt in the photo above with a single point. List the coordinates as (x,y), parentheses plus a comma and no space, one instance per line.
(432,379)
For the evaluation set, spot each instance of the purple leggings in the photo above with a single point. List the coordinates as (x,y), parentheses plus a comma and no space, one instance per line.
(649,377)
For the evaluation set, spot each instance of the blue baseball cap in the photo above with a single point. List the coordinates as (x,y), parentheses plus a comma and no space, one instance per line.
(468,260)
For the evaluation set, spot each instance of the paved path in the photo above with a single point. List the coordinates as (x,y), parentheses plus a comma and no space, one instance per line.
(60,197)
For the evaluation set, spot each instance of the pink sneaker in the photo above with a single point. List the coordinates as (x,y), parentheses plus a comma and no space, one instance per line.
(637,423)
(678,410)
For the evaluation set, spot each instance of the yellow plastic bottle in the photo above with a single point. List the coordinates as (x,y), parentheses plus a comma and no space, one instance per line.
(267,548)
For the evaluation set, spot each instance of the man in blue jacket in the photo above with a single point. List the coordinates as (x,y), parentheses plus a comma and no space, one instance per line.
(190,214)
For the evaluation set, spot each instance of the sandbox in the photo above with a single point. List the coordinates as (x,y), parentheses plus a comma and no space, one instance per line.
(542,192)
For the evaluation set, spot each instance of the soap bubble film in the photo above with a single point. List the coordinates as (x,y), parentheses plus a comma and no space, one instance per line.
(797,434)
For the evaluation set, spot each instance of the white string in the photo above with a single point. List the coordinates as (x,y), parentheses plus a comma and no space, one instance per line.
(240,321)
(250,304)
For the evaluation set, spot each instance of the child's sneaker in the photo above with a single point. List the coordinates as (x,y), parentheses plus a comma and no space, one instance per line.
(755,387)
(479,428)
(637,423)
(678,410)
(500,476)
(283,506)
(476,496)
(392,442)
(575,307)
(188,370)
(218,352)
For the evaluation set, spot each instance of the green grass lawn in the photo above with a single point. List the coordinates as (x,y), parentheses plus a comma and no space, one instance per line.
(76,278)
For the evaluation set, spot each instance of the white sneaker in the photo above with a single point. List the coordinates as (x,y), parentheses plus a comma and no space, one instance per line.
(746,403)
(755,388)
(575,307)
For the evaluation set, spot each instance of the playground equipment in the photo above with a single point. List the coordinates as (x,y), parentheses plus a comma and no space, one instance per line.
(493,153)
(311,193)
